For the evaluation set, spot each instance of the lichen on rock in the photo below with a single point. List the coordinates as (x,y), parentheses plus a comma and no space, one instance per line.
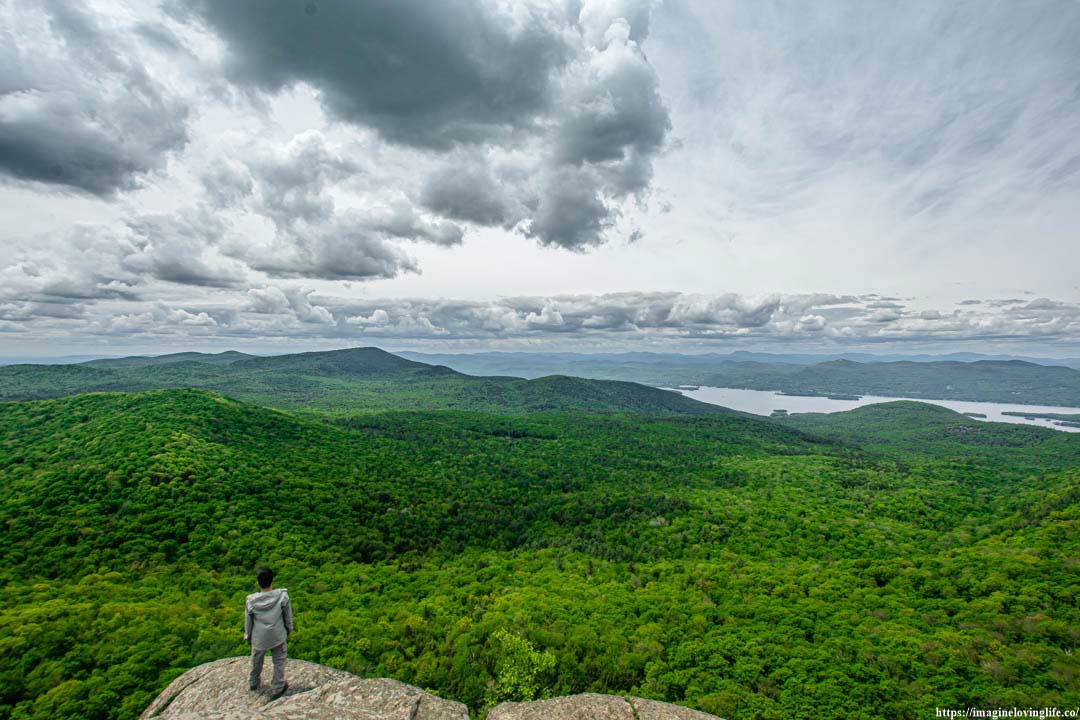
(592,706)
(218,691)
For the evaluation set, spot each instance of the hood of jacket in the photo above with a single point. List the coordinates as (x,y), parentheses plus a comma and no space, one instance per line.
(263,602)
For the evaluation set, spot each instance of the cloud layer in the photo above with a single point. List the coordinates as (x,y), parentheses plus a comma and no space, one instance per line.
(552,107)
(289,312)
(259,172)
(553,104)
(78,108)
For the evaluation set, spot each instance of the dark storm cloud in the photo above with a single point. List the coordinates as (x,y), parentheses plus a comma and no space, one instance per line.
(571,211)
(467,191)
(565,84)
(298,232)
(421,73)
(612,116)
(77,107)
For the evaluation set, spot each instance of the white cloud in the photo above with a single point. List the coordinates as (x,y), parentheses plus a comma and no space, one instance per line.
(78,107)
(727,160)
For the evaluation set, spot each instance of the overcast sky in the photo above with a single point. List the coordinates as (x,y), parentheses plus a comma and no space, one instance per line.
(685,175)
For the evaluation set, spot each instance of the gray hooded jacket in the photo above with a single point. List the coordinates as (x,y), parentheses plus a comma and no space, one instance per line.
(268,618)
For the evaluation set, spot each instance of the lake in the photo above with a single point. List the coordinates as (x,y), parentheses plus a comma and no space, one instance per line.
(763,402)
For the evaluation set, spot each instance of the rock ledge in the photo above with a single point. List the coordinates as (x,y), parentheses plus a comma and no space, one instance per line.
(218,691)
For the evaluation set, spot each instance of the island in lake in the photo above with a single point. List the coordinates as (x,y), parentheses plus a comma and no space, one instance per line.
(1063,419)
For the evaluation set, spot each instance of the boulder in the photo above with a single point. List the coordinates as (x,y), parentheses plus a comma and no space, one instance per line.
(591,706)
(218,691)
(570,707)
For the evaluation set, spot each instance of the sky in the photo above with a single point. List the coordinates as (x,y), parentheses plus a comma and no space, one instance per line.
(587,175)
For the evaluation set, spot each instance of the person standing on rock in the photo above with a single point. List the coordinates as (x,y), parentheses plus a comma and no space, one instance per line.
(268,622)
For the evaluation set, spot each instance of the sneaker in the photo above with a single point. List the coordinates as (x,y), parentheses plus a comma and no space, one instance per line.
(280,692)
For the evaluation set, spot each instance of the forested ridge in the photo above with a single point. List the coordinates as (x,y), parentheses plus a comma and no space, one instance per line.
(905,428)
(733,564)
(341,382)
(365,378)
(1004,381)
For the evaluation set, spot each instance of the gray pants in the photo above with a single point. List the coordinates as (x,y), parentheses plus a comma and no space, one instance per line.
(278,655)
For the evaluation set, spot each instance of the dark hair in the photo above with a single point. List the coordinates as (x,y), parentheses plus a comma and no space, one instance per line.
(266,578)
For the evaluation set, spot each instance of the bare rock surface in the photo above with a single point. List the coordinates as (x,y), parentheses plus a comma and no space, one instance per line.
(218,691)
(377,699)
(591,706)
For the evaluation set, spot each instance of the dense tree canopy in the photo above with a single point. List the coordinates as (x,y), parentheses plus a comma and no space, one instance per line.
(342,382)
(729,563)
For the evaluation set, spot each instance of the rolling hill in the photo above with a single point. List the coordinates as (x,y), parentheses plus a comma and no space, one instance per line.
(344,381)
(222,358)
(340,381)
(725,562)
(1012,381)
(907,429)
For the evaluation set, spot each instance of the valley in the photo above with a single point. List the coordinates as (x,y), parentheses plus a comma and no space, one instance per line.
(887,560)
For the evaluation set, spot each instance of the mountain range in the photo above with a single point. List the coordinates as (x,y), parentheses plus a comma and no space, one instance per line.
(1006,381)
(371,379)
(574,535)
(713,358)
(352,380)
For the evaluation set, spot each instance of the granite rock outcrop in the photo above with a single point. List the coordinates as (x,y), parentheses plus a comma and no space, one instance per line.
(218,691)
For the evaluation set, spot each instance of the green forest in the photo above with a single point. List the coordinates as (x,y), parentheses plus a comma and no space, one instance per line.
(1005,381)
(490,542)
(340,382)
(369,378)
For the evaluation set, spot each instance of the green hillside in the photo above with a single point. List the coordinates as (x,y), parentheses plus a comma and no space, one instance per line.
(729,563)
(222,358)
(356,379)
(910,429)
(1011,381)
(33,382)
(342,381)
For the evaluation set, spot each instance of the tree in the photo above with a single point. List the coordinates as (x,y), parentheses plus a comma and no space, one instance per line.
(519,669)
